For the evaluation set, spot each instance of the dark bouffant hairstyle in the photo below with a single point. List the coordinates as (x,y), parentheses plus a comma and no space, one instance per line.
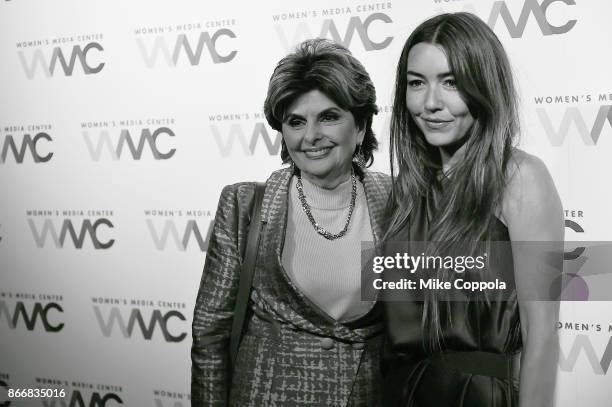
(330,68)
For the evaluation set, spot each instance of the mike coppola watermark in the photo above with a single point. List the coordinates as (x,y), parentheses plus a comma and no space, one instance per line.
(497,271)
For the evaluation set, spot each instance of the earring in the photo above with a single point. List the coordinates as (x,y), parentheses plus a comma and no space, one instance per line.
(359,158)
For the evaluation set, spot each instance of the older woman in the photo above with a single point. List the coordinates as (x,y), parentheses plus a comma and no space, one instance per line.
(461,181)
(310,339)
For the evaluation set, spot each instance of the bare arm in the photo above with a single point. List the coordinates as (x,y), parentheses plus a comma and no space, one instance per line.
(532,211)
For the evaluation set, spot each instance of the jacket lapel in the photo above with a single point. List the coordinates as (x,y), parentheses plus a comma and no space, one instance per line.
(274,285)
(377,187)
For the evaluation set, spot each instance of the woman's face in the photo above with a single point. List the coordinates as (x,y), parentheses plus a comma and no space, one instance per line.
(321,138)
(432,97)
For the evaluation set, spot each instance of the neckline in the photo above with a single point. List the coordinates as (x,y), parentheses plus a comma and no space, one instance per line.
(326,199)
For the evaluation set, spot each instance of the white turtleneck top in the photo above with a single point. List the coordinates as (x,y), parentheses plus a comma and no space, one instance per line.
(328,272)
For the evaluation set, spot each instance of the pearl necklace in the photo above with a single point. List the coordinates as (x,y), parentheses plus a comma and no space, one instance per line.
(320,230)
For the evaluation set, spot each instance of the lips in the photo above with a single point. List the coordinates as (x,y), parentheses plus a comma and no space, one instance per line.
(317,152)
(433,123)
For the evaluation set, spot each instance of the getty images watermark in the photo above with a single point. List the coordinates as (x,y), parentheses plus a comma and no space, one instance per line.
(495,271)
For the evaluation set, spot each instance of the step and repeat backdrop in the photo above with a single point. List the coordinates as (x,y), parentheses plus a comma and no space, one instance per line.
(120,122)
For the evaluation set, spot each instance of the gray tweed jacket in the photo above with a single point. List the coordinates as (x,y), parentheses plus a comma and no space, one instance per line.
(292,353)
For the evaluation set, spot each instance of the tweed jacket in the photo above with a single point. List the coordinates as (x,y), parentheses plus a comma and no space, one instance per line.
(292,353)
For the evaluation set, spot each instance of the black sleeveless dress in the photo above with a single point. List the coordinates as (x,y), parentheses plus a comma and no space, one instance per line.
(476,366)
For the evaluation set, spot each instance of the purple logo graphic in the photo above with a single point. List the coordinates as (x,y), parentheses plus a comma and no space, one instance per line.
(115,318)
(583,344)
(573,286)
(97,144)
(77,399)
(292,34)
(572,115)
(78,235)
(37,61)
(226,140)
(181,239)
(31,317)
(183,49)
(516,23)
(19,150)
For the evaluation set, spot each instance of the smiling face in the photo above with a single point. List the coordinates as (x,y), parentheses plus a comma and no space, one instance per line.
(433,99)
(321,138)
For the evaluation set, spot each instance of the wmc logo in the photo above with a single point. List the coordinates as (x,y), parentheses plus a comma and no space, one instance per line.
(87,230)
(226,139)
(578,251)
(572,115)
(328,29)
(599,361)
(67,60)
(77,399)
(136,144)
(516,25)
(574,286)
(516,29)
(19,148)
(191,51)
(191,232)
(31,316)
(147,329)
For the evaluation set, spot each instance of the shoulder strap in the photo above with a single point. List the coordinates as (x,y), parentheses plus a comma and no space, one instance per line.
(246,274)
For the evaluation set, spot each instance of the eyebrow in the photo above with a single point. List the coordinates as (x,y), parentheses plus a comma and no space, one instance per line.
(322,112)
(441,75)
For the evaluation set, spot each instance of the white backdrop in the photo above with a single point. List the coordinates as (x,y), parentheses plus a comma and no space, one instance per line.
(120,123)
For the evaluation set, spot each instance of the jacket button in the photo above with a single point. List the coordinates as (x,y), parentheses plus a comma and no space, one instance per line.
(327,343)
(358,345)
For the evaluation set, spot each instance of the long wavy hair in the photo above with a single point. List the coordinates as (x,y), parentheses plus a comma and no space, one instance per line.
(465,207)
